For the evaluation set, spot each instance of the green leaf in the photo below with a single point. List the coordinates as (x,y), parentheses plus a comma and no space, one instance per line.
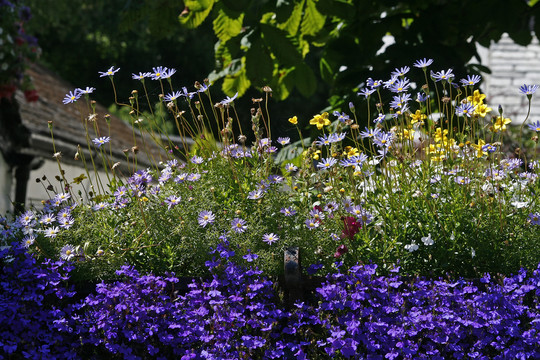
(293,152)
(236,83)
(222,55)
(292,22)
(259,64)
(282,83)
(341,9)
(326,70)
(281,46)
(228,23)
(305,80)
(231,69)
(197,12)
(313,20)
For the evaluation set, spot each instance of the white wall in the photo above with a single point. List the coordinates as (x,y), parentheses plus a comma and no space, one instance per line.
(6,186)
(36,192)
(511,66)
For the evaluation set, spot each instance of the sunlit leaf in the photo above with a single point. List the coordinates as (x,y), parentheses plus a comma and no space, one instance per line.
(313,20)
(196,12)
(236,83)
(227,23)
(292,23)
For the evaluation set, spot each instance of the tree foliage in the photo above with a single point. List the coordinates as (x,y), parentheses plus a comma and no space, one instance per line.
(80,38)
(290,44)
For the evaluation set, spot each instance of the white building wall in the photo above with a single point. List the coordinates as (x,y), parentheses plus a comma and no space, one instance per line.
(6,187)
(511,66)
(36,191)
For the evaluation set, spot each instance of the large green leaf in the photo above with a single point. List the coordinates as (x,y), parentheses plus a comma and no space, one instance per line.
(282,84)
(197,11)
(281,45)
(327,73)
(313,21)
(236,83)
(305,80)
(227,23)
(259,63)
(290,20)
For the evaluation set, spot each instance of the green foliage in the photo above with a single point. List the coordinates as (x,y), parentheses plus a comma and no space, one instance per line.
(342,38)
(228,23)
(196,12)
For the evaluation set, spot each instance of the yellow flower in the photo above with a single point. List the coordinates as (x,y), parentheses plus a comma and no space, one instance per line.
(417,116)
(476,98)
(406,134)
(482,110)
(316,154)
(478,147)
(320,120)
(440,134)
(430,149)
(500,124)
(352,152)
(293,120)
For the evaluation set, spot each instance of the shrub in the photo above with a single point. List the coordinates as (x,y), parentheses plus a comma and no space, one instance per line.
(436,184)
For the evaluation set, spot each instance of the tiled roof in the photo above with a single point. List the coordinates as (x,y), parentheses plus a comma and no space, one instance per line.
(69,126)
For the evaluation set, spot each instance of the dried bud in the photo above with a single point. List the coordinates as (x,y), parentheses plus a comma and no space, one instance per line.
(134,92)
(256,100)
(242,139)
(355,126)
(135,149)
(267,89)
(446,99)
(57,155)
(115,165)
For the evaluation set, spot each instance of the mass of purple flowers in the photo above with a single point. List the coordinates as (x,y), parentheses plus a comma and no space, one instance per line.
(235,314)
